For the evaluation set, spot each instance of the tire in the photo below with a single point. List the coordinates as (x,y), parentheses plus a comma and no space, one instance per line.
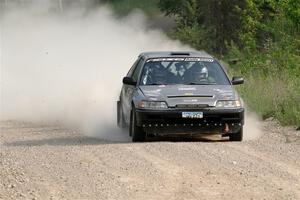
(137,133)
(120,117)
(236,136)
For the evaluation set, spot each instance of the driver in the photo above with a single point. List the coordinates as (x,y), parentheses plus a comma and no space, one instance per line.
(199,74)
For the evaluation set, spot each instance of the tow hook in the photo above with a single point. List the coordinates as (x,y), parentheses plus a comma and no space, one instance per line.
(226,128)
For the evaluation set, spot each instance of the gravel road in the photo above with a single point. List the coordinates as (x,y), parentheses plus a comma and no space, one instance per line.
(49,162)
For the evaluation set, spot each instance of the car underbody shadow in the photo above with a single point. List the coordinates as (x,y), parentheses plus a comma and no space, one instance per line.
(188,138)
(85,141)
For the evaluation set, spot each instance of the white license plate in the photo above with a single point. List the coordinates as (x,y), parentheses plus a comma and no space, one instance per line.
(192,115)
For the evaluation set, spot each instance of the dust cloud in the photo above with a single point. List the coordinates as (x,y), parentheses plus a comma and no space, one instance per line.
(253,126)
(66,67)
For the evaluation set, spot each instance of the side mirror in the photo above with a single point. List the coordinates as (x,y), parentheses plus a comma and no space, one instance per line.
(129,81)
(237,80)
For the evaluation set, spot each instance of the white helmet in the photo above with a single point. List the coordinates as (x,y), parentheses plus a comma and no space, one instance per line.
(200,74)
(204,72)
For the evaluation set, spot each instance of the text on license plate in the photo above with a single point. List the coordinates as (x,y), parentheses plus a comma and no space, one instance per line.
(192,115)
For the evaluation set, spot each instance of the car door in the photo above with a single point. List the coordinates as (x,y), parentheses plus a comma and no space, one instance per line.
(128,90)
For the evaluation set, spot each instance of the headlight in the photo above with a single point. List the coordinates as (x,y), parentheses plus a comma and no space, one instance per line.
(228,104)
(155,105)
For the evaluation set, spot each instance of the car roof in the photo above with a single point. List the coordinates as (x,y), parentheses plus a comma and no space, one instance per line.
(168,54)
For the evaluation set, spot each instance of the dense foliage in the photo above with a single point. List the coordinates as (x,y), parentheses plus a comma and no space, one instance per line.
(243,22)
(262,35)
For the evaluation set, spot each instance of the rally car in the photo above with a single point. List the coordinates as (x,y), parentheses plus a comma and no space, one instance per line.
(180,93)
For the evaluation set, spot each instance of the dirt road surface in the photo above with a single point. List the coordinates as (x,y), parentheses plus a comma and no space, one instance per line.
(50,162)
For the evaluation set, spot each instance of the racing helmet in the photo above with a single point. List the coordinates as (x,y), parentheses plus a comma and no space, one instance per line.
(200,73)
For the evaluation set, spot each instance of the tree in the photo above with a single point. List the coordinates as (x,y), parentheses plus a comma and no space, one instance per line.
(217,20)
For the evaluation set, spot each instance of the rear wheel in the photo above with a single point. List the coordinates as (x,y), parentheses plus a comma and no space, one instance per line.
(236,136)
(137,133)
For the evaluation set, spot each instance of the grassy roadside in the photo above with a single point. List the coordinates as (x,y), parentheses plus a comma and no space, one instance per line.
(273,97)
(272,84)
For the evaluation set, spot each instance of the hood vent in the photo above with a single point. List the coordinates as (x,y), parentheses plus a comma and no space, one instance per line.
(180,53)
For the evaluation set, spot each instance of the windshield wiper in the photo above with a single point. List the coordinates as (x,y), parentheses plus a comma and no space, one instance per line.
(193,83)
(156,84)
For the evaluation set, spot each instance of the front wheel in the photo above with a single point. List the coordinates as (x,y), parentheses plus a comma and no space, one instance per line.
(236,136)
(120,117)
(137,133)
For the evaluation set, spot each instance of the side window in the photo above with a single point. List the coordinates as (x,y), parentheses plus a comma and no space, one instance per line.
(136,73)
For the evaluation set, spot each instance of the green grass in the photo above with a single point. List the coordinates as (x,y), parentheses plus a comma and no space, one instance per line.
(272,83)
(124,7)
(273,97)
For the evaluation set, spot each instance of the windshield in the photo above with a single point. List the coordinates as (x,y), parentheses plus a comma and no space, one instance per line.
(188,71)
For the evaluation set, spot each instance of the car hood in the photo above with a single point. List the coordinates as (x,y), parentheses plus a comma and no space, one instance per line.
(184,95)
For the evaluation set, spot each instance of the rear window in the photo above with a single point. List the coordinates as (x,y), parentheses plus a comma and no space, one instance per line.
(190,71)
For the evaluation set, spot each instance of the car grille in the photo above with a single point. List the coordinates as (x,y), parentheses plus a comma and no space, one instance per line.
(186,96)
(192,106)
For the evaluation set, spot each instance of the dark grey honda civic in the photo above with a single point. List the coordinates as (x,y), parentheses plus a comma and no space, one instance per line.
(172,93)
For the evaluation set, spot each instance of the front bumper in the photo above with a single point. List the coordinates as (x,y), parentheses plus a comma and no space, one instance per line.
(171,121)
